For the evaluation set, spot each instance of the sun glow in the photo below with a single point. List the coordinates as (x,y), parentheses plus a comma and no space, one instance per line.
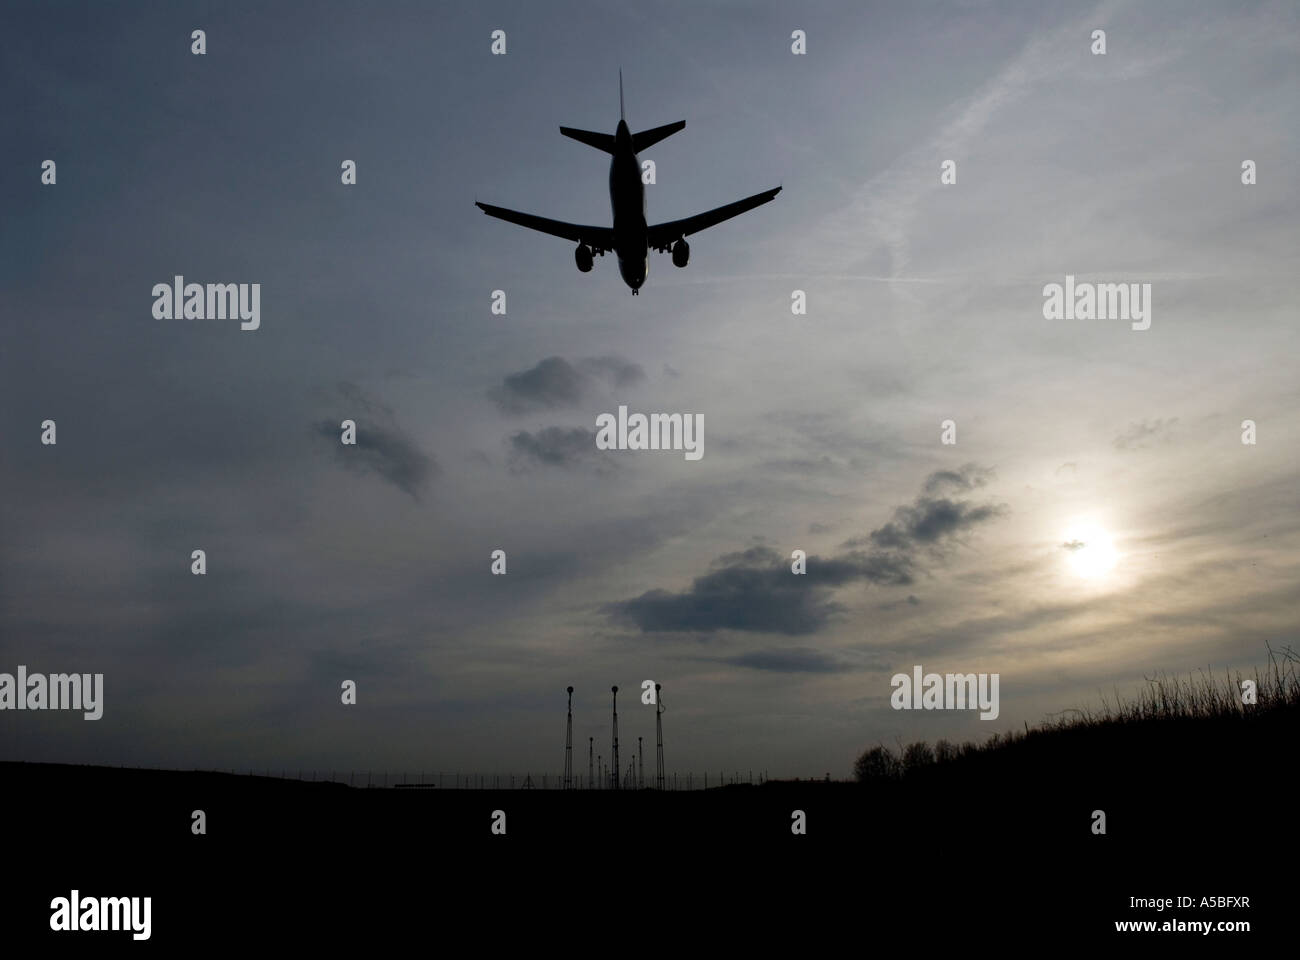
(1090,551)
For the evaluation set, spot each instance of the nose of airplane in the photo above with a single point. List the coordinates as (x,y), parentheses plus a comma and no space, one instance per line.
(631,276)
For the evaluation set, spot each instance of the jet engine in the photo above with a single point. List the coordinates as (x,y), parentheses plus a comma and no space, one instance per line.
(582,256)
(681,253)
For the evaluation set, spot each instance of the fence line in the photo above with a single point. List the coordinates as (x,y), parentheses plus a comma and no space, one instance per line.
(385,779)
(426,780)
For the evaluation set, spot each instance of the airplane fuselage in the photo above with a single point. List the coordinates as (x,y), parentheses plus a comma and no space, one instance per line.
(627,203)
(630,238)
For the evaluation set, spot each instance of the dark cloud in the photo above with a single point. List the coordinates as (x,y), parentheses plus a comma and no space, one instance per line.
(552,383)
(757,598)
(1141,435)
(555,383)
(555,447)
(967,478)
(382,447)
(930,520)
(792,660)
(910,601)
(615,371)
(754,590)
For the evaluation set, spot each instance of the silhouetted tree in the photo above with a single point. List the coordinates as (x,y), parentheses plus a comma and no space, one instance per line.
(878,763)
(916,756)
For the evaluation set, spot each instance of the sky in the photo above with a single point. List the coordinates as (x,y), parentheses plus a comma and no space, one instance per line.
(1097,520)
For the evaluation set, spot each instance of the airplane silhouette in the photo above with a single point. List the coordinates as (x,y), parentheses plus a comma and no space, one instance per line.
(630,238)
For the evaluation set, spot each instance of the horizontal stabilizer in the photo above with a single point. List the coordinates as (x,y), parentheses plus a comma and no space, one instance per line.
(601,141)
(648,138)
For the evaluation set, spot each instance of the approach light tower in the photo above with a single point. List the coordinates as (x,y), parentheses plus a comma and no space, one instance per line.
(659,737)
(640,754)
(568,746)
(616,771)
(591,762)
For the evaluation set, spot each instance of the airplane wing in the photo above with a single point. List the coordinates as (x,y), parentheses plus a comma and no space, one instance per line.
(662,235)
(598,238)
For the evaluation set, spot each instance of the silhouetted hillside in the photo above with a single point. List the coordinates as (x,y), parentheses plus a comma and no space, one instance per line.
(1178,729)
(998,835)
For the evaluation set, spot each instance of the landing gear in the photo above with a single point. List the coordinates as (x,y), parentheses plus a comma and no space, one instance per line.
(635,292)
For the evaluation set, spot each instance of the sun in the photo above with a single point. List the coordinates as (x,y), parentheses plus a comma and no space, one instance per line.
(1089,550)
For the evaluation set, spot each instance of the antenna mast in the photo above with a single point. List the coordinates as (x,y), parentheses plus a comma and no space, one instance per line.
(568,746)
(659,737)
(615,690)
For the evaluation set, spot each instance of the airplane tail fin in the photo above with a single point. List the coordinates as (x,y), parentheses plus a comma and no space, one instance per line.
(608,143)
(601,141)
(648,138)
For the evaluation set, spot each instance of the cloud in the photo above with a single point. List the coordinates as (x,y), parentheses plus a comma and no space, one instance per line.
(930,521)
(1138,436)
(555,383)
(382,447)
(552,383)
(966,478)
(881,211)
(1073,545)
(911,601)
(754,590)
(616,371)
(790,660)
(556,447)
